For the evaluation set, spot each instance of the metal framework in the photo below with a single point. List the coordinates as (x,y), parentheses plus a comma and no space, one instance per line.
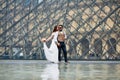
(92,27)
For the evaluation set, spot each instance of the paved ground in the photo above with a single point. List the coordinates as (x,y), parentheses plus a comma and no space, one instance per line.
(44,70)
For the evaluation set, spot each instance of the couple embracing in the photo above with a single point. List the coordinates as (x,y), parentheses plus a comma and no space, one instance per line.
(53,53)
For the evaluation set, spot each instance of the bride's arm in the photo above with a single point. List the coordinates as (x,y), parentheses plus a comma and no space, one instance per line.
(49,38)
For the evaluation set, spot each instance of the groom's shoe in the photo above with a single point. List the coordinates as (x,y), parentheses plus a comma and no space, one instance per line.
(67,62)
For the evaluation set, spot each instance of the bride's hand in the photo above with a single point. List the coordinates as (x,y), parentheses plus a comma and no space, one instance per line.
(43,39)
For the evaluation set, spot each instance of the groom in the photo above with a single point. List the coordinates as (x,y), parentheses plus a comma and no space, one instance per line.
(61,40)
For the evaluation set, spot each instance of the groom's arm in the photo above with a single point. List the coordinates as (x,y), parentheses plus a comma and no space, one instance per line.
(65,35)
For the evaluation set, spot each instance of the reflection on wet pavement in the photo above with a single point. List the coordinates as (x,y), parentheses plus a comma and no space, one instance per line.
(50,72)
(42,70)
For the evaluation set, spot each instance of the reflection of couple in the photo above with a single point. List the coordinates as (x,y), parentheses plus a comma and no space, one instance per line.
(51,72)
(53,54)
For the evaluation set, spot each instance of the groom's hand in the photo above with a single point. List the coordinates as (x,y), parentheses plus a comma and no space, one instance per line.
(58,44)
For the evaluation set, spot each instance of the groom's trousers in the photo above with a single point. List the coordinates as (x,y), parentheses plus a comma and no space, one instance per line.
(62,47)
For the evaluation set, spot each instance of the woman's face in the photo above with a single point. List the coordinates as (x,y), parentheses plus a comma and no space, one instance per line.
(58,28)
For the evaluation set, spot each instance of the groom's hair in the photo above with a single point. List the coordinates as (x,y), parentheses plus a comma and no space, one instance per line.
(61,26)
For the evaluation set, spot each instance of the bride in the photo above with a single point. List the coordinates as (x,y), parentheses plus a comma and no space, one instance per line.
(51,53)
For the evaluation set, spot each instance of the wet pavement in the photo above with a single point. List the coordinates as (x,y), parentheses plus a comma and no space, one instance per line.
(43,70)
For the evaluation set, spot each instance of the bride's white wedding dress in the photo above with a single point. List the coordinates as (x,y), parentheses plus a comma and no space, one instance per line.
(52,52)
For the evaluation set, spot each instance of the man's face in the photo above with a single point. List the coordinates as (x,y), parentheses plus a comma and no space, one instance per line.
(60,28)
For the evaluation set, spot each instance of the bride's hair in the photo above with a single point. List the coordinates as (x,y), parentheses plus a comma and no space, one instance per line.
(55,29)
